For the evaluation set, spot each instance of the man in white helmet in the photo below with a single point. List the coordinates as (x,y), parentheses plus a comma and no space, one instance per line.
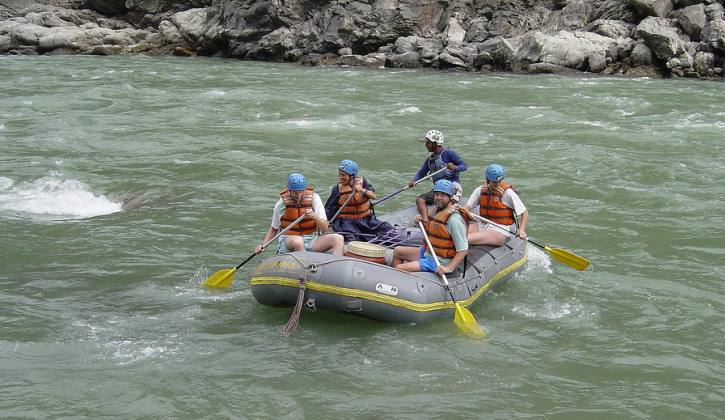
(440,157)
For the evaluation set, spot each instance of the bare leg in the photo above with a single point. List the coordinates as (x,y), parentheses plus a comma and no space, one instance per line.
(487,237)
(294,243)
(405,254)
(333,241)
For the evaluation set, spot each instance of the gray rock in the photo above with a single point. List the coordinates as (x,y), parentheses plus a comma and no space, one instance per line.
(641,55)
(703,63)
(714,11)
(682,61)
(662,36)
(454,33)
(170,33)
(5,44)
(576,50)
(108,7)
(481,59)
(713,34)
(356,60)
(447,61)
(190,23)
(408,60)
(683,3)
(547,68)
(344,51)
(692,19)
(406,44)
(657,8)
(477,30)
(611,28)
(502,50)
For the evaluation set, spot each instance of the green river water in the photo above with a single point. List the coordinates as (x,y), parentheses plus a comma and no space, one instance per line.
(101,308)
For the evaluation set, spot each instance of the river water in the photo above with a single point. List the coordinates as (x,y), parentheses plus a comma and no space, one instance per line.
(101,308)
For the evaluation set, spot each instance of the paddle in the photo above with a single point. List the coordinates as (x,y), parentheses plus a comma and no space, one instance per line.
(352,193)
(562,255)
(393,194)
(463,318)
(224,278)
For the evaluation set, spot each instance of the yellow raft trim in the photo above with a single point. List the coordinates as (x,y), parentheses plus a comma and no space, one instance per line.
(389,300)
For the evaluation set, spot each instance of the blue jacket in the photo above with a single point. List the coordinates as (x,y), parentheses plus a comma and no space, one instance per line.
(447,156)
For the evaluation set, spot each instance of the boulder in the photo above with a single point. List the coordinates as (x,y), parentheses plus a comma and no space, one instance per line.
(691,19)
(408,60)
(662,36)
(170,33)
(374,60)
(703,63)
(641,55)
(657,8)
(542,68)
(611,28)
(190,23)
(713,34)
(454,33)
(108,7)
(501,50)
(575,50)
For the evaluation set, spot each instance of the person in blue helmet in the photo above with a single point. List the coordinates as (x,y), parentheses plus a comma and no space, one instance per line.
(356,221)
(498,202)
(298,199)
(447,232)
(440,157)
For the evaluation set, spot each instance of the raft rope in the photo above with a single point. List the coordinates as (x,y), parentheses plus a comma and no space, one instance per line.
(294,319)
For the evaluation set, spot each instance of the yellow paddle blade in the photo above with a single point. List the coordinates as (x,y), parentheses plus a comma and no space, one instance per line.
(565,257)
(466,323)
(221,279)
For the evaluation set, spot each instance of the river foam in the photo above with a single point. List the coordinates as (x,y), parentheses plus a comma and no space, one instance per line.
(55,197)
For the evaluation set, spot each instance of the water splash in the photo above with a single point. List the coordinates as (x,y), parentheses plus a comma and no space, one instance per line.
(55,197)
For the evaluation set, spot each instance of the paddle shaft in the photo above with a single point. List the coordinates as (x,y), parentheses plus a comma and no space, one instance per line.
(502,228)
(393,194)
(435,258)
(352,193)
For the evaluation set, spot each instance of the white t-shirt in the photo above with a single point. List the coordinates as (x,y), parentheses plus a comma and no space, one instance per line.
(510,199)
(317,207)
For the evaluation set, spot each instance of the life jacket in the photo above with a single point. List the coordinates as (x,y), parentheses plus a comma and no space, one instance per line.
(492,207)
(435,162)
(293,210)
(438,234)
(357,208)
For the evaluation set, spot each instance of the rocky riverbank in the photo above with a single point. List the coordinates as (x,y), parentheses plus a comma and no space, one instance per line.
(670,38)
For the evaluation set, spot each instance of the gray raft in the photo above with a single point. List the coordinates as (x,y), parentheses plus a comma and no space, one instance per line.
(377,291)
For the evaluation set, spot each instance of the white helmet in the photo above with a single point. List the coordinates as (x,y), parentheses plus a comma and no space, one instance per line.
(435,136)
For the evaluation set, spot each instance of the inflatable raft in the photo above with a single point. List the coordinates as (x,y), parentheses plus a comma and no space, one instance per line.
(359,283)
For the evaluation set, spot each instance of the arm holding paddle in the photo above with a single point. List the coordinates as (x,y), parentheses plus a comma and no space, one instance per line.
(411,184)
(562,255)
(463,318)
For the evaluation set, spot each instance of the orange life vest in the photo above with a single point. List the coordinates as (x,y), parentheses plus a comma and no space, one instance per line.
(492,207)
(357,208)
(293,210)
(438,234)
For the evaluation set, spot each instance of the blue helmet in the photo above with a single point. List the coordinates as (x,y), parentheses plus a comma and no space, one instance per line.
(348,166)
(495,172)
(443,185)
(296,182)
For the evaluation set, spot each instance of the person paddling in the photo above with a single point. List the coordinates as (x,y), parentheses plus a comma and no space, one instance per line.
(497,201)
(355,217)
(440,157)
(446,230)
(298,199)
